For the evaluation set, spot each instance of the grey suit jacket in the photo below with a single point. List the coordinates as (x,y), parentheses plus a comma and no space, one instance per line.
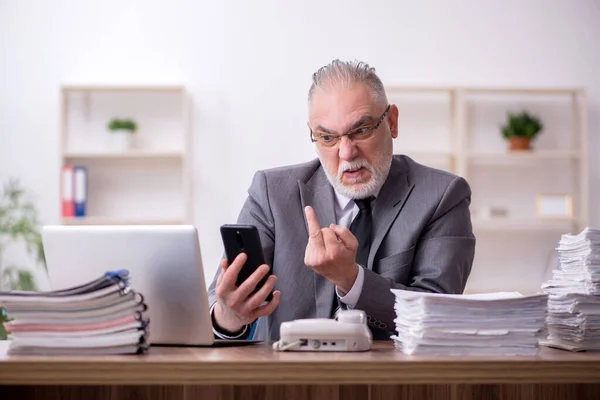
(422,240)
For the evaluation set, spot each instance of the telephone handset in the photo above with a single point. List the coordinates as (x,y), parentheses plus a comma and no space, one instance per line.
(348,333)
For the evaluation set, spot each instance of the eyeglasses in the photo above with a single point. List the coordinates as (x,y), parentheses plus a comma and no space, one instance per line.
(362,133)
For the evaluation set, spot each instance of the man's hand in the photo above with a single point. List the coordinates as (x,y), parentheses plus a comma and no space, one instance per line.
(331,252)
(235,306)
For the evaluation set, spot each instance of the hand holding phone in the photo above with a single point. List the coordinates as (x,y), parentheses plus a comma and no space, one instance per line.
(245,239)
(245,281)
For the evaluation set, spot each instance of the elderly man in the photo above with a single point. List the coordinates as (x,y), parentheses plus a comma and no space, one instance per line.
(342,230)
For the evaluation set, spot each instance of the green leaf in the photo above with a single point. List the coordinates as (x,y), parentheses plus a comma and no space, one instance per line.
(122,124)
(19,223)
(3,319)
(25,281)
(16,278)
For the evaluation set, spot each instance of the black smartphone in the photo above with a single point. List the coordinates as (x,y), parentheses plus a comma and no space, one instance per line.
(245,239)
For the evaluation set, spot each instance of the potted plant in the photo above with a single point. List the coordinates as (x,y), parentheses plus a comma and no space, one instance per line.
(19,225)
(520,129)
(122,133)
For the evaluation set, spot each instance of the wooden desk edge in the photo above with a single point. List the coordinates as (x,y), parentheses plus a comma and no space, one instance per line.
(261,373)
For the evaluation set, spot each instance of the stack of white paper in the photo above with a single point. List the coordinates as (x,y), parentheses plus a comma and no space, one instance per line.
(574,293)
(504,323)
(579,270)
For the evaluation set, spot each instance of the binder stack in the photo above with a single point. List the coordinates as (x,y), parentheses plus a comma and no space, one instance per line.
(104,316)
(74,191)
(574,293)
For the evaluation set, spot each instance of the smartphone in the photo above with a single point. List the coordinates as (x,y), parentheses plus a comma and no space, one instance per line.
(245,239)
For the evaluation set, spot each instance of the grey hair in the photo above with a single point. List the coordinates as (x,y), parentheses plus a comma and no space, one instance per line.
(344,74)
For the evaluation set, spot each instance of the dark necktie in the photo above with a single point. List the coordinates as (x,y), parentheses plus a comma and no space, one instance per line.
(361,229)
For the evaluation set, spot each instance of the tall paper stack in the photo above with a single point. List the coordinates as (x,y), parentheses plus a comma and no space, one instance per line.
(104,316)
(574,293)
(480,324)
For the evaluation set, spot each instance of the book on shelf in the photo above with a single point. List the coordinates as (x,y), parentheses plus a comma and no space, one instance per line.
(104,316)
(74,190)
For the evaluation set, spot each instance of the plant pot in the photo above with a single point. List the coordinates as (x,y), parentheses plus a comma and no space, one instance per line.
(519,143)
(122,140)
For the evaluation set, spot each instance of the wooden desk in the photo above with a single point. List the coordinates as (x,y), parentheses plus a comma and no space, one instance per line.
(259,372)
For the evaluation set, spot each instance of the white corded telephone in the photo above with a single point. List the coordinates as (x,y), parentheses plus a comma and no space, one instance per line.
(348,333)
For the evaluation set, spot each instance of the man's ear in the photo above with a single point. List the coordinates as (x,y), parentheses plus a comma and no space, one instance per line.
(316,148)
(393,120)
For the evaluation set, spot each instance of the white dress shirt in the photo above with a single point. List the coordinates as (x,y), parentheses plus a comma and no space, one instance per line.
(345,212)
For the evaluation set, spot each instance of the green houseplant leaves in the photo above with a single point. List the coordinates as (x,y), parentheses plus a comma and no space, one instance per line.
(521,129)
(521,124)
(117,124)
(19,224)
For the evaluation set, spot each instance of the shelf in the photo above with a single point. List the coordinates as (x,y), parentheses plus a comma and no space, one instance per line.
(523,224)
(125,155)
(426,154)
(486,90)
(119,221)
(146,184)
(523,90)
(523,155)
(418,89)
(123,88)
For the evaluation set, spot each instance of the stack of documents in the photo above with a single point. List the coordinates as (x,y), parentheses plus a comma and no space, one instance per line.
(579,269)
(574,294)
(504,323)
(104,316)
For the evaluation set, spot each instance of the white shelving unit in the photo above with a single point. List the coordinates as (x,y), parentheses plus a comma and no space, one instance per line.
(458,129)
(147,184)
(560,153)
(426,124)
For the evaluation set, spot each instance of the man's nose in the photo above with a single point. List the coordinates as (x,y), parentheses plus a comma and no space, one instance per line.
(347,150)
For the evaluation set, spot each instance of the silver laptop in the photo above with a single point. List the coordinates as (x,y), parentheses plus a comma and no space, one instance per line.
(164,263)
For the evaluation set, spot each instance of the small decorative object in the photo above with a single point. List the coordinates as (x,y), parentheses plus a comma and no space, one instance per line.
(555,206)
(123,131)
(489,212)
(521,129)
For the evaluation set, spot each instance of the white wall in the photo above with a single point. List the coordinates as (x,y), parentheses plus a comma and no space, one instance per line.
(248,66)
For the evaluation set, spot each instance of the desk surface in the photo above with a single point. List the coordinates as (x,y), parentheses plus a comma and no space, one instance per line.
(259,364)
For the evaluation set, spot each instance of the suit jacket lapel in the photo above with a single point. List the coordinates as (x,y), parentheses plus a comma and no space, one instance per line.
(388,204)
(318,193)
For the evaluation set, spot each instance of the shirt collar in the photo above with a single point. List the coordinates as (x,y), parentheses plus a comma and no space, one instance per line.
(344,201)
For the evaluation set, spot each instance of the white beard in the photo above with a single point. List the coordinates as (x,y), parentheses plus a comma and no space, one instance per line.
(379,173)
